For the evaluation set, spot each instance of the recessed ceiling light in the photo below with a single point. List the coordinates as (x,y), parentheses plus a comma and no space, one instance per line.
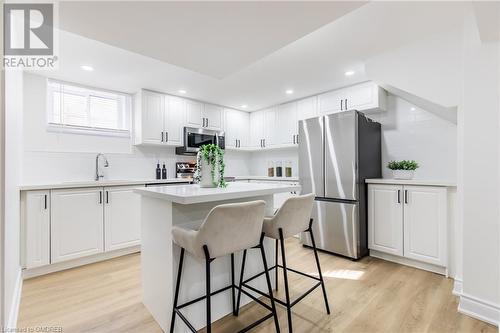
(182,91)
(413,109)
(289,92)
(87,68)
(349,73)
(244,106)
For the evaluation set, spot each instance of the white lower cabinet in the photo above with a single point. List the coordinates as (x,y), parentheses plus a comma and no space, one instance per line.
(122,217)
(408,221)
(35,208)
(77,228)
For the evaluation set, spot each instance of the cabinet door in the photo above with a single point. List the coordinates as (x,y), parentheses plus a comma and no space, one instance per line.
(307,108)
(287,128)
(36,228)
(76,223)
(236,125)
(425,214)
(122,217)
(331,102)
(213,115)
(152,117)
(256,129)
(175,115)
(385,218)
(362,96)
(270,128)
(194,113)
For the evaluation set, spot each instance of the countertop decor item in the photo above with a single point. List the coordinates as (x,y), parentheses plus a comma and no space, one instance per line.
(404,169)
(210,166)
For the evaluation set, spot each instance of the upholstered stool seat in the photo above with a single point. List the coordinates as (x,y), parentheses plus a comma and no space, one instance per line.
(227,229)
(293,217)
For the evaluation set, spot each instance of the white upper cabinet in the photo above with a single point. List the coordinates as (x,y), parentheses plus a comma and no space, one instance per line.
(204,115)
(194,113)
(122,217)
(425,216)
(35,213)
(271,131)
(362,97)
(159,119)
(287,124)
(257,131)
(175,111)
(77,228)
(214,116)
(237,128)
(307,108)
(151,115)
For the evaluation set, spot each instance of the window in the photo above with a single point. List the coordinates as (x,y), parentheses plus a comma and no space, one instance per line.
(78,109)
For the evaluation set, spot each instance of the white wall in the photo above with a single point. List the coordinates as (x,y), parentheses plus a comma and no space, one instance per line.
(259,160)
(409,132)
(53,157)
(13,162)
(480,177)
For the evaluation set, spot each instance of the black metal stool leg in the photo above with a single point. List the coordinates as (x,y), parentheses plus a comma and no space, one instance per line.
(207,263)
(241,281)
(233,295)
(327,306)
(269,287)
(285,277)
(177,285)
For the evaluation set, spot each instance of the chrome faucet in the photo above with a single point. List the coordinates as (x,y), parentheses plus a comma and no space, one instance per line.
(98,175)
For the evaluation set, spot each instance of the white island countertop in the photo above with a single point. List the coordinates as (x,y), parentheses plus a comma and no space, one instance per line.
(192,194)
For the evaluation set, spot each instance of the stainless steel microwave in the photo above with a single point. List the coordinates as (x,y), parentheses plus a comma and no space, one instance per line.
(194,138)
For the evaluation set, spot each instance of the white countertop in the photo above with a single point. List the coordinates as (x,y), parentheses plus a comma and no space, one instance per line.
(422,182)
(94,183)
(191,194)
(289,179)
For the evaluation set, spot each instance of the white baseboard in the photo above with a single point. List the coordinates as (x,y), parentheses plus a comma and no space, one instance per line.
(457,287)
(409,262)
(60,266)
(16,301)
(479,309)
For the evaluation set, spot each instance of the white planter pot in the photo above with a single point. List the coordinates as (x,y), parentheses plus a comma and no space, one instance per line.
(403,174)
(206,175)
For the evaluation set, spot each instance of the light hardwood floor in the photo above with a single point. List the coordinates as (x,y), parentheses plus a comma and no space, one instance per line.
(370,295)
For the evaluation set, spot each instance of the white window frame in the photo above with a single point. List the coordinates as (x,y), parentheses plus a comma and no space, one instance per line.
(89,130)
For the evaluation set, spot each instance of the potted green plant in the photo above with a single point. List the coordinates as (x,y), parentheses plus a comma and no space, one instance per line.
(403,169)
(210,166)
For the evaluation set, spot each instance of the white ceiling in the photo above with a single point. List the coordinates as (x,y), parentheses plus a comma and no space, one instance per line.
(311,64)
(212,38)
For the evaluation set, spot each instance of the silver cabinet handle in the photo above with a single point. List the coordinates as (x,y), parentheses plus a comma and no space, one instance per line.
(166,136)
(399,196)
(346,104)
(341,108)
(45,201)
(406,196)
(294,139)
(207,122)
(161,136)
(107,197)
(100,197)
(297,139)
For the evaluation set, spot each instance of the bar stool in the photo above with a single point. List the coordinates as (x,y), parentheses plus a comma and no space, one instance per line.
(292,218)
(227,229)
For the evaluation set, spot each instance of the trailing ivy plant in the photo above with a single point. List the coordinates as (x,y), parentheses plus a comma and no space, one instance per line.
(403,165)
(214,156)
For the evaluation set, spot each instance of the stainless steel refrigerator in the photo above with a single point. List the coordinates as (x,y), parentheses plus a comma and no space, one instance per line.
(336,154)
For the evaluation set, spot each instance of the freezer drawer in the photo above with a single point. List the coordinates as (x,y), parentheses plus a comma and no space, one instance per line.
(335,227)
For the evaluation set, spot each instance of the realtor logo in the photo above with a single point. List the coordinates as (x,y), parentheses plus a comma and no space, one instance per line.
(29,35)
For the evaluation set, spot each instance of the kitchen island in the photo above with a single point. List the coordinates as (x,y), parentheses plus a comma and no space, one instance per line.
(163,207)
